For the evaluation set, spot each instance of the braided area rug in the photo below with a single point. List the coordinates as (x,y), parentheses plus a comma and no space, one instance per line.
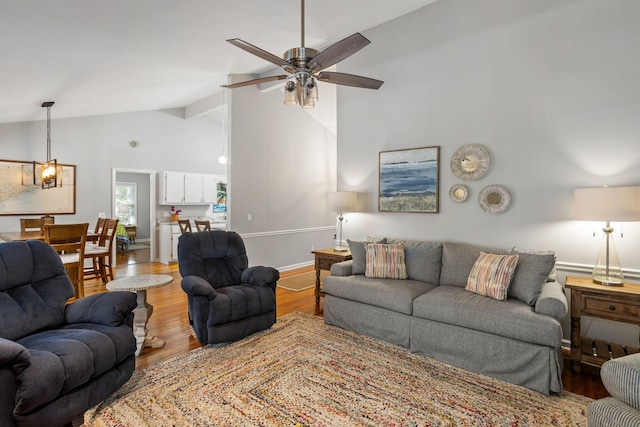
(303,372)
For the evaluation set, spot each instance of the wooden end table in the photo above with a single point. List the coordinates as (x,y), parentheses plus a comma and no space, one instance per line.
(325,258)
(140,284)
(619,303)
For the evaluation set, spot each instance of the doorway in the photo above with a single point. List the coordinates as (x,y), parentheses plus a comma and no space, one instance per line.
(142,223)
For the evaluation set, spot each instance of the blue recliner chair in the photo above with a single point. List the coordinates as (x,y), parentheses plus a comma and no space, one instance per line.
(227,299)
(56,359)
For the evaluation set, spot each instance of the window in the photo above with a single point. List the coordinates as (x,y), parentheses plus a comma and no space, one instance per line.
(126,203)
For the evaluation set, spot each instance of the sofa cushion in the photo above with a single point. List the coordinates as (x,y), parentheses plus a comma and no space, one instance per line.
(458,259)
(491,275)
(359,254)
(64,359)
(391,294)
(510,319)
(385,261)
(621,377)
(423,259)
(532,272)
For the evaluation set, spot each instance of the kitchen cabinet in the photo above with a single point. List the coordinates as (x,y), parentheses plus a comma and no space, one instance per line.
(169,234)
(184,188)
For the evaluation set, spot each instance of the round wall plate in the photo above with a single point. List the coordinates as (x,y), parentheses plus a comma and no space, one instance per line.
(494,199)
(470,162)
(459,193)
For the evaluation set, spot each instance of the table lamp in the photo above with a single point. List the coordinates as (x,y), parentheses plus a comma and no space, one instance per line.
(607,204)
(341,202)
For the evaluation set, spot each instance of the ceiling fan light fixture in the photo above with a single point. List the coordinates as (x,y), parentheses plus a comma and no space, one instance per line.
(306,65)
(312,89)
(290,93)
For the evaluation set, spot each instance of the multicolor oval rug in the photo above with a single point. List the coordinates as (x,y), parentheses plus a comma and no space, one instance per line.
(305,373)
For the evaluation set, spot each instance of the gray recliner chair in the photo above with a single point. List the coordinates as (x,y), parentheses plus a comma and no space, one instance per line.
(621,377)
(227,299)
(56,359)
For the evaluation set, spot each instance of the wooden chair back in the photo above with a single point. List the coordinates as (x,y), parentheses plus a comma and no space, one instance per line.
(69,241)
(185,225)
(35,224)
(99,225)
(30,224)
(100,253)
(203,226)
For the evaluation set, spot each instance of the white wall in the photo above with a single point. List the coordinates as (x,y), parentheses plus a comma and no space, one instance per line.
(166,141)
(550,87)
(282,165)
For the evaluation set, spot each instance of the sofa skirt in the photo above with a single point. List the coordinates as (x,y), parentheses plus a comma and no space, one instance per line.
(536,367)
(367,320)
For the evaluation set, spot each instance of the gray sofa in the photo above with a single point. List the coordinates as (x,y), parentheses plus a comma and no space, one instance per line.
(621,377)
(517,340)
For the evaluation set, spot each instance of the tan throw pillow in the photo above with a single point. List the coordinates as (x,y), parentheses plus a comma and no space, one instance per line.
(385,261)
(491,275)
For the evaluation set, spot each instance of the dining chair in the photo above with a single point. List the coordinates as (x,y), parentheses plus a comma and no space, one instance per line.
(35,224)
(185,225)
(69,241)
(30,224)
(101,252)
(202,225)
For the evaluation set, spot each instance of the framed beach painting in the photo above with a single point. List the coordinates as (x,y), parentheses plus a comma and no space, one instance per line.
(21,190)
(409,180)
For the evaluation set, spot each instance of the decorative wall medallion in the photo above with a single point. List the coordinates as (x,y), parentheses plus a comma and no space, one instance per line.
(494,199)
(459,193)
(470,162)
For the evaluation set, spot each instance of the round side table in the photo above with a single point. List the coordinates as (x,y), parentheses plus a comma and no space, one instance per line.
(142,312)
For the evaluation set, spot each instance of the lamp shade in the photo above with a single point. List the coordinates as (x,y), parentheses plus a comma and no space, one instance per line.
(342,201)
(607,204)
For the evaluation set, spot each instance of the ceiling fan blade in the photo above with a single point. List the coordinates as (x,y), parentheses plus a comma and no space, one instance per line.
(349,80)
(338,51)
(256,81)
(262,54)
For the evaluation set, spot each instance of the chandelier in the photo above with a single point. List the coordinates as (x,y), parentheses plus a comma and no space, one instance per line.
(50,168)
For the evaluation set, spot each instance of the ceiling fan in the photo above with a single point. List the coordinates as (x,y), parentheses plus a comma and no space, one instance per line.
(305,66)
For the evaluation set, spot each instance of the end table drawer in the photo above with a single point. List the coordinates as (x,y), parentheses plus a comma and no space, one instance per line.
(326,263)
(609,307)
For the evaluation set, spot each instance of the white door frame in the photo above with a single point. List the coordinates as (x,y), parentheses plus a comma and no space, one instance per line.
(152,203)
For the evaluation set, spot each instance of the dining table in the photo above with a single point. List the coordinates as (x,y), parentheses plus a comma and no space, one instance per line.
(17,236)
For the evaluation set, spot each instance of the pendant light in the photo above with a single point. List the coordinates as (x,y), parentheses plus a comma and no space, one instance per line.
(50,168)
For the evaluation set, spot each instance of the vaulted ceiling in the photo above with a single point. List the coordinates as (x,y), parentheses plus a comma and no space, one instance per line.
(103,57)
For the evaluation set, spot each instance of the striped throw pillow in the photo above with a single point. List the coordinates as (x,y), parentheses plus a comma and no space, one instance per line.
(385,261)
(491,275)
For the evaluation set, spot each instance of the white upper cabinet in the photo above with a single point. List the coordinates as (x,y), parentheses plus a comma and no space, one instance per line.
(193,188)
(183,188)
(172,188)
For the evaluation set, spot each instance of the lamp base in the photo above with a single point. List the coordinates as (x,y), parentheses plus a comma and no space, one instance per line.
(607,281)
(607,270)
(341,247)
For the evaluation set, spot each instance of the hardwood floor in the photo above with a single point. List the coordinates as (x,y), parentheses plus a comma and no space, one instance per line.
(170,321)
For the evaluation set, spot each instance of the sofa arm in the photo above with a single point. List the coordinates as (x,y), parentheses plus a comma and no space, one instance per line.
(344,268)
(14,356)
(260,276)
(106,308)
(197,286)
(621,378)
(552,301)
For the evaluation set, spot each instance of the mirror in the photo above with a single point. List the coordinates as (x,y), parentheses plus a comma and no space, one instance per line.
(458,193)
(494,199)
(470,162)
